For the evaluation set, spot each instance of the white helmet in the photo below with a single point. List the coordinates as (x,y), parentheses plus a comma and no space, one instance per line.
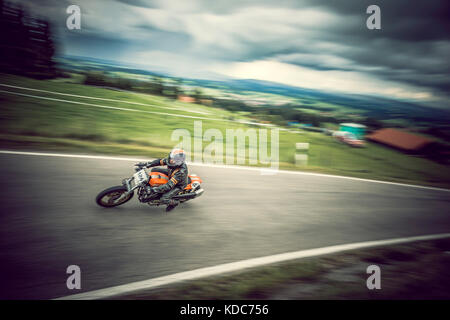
(176,158)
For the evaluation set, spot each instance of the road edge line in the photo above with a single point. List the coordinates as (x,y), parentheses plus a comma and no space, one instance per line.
(238,266)
(209,165)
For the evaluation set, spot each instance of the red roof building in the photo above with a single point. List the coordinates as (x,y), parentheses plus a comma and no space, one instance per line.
(184,98)
(399,139)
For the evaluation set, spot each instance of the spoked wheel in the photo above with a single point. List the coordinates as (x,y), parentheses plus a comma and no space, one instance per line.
(108,198)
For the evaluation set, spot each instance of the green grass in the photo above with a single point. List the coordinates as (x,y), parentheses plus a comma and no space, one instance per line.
(411,271)
(241,285)
(32,123)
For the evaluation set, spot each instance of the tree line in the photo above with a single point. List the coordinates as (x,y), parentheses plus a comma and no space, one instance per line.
(26,44)
(173,89)
(156,86)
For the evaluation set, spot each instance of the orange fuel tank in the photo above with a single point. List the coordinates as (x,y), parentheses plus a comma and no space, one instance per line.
(159,178)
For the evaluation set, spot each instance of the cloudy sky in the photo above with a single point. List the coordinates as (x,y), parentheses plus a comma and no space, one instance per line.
(320,44)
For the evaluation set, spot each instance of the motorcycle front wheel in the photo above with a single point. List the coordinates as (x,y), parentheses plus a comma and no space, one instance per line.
(107,197)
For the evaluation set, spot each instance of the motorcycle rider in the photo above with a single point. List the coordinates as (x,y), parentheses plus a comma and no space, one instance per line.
(178,176)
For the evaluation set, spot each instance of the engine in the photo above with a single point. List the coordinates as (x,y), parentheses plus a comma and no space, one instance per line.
(145,194)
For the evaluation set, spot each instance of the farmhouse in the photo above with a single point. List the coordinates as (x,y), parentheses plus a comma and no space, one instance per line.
(412,144)
(184,98)
(401,140)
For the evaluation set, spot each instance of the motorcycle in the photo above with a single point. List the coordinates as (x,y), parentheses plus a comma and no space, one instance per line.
(142,183)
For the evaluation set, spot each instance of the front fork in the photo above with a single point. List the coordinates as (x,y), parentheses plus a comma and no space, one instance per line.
(122,196)
(126,183)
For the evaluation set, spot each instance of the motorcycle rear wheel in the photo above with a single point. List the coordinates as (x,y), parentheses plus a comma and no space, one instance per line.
(106,197)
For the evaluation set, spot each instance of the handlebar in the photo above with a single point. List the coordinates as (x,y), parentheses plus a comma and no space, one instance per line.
(139,167)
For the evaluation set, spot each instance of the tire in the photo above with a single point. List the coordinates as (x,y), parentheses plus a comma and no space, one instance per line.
(114,193)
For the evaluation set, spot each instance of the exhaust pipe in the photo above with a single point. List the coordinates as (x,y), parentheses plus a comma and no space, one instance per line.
(190,195)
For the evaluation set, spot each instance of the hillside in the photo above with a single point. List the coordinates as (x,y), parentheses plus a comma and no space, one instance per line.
(65,116)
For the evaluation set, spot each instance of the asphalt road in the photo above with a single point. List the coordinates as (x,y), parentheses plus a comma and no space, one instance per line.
(49,220)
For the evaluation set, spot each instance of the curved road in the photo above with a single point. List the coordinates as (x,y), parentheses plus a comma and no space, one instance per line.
(48,221)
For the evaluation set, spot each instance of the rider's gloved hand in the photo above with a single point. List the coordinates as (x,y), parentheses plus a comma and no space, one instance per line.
(141,164)
(154,163)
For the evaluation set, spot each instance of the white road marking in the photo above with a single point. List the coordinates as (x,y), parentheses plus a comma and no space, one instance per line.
(134,110)
(113,108)
(238,266)
(102,99)
(209,165)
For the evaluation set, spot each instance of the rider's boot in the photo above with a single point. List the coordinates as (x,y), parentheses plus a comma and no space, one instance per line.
(172,205)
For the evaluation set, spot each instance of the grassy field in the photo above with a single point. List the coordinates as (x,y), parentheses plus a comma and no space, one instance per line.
(88,126)
(410,271)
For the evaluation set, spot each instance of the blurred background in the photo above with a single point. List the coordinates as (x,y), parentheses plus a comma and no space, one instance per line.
(370,103)
(346,100)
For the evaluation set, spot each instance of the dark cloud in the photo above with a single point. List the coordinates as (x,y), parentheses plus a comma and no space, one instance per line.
(106,46)
(408,20)
(159,39)
(412,47)
(139,3)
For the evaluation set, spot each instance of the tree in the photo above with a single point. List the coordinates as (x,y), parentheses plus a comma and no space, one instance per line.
(373,123)
(95,78)
(197,95)
(48,49)
(156,86)
(26,46)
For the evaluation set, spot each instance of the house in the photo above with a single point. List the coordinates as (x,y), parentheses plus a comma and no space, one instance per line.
(348,138)
(184,98)
(402,140)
